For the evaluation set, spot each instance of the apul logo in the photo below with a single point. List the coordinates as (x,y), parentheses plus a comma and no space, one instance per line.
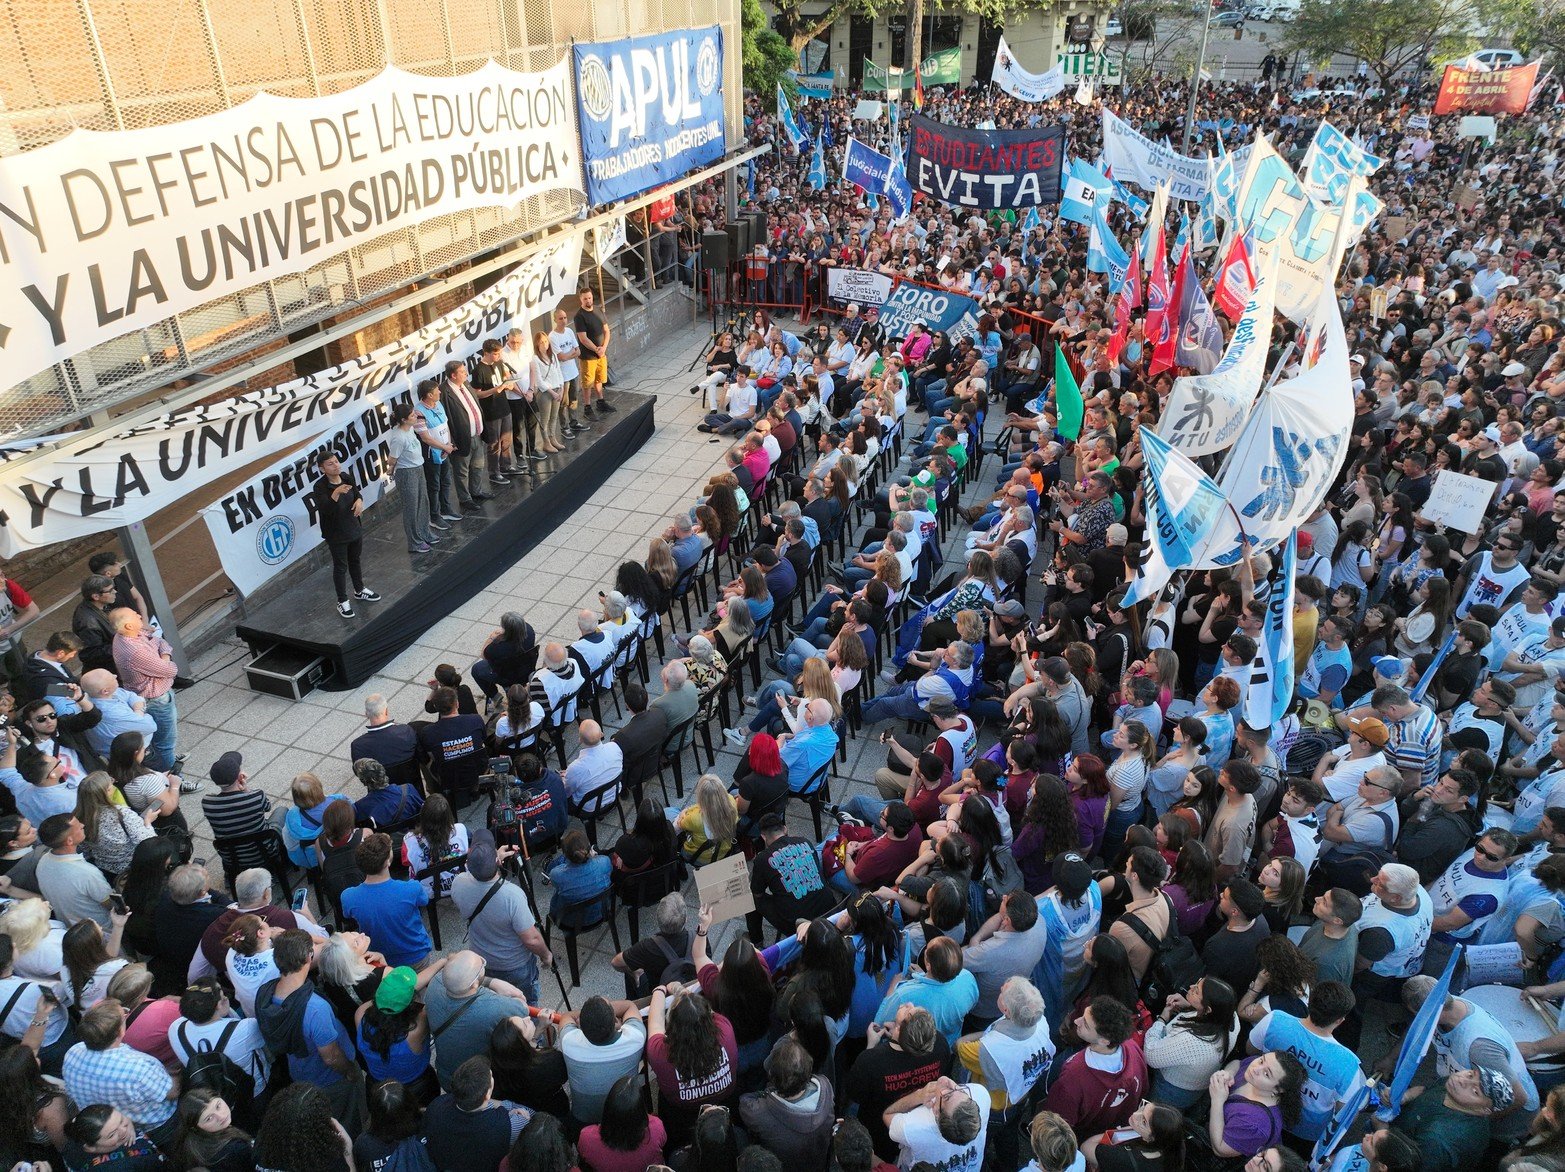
(275,541)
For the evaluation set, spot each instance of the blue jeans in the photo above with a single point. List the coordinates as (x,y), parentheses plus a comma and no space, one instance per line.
(798,651)
(899,702)
(160,754)
(1120,821)
(839,881)
(866,809)
(766,711)
(524,978)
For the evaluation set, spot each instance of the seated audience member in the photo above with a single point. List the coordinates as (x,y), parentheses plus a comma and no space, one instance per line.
(302,823)
(455,746)
(598,762)
(601,1048)
(395,746)
(384,803)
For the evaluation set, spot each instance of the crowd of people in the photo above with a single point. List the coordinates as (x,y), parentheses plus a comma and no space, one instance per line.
(1081,914)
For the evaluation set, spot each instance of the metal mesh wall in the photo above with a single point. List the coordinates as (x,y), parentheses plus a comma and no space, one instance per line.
(122,64)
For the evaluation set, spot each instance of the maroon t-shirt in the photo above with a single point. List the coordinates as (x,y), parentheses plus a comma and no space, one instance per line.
(882,859)
(686,1096)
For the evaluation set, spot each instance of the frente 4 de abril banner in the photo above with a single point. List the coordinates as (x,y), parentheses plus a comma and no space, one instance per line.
(651,110)
(985,169)
(103,233)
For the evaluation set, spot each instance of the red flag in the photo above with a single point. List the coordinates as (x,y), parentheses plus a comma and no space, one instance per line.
(1168,320)
(1235,279)
(1129,298)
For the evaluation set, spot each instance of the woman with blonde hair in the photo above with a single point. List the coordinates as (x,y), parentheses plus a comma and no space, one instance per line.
(548,382)
(113,831)
(889,570)
(36,943)
(780,704)
(660,564)
(709,825)
(302,824)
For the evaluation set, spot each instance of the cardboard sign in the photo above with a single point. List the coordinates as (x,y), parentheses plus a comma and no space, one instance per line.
(1458,501)
(1377,303)
(724,886)
(1396,227)
(1467,197)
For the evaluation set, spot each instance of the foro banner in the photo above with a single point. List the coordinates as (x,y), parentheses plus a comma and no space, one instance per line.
(269,522)
(651,110)
(985,168)
(91,481)
(105,233)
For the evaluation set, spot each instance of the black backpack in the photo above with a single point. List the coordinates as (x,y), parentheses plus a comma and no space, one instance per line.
(210,1069)
(679,967)
(1175,965)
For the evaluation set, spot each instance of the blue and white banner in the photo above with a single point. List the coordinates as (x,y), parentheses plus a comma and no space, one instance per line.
(1135,158)
(1104,253)
(651,110)
(1205,412)
(790,124)
(1331,1139)
(1198,343)
(1271,672)
(1332,160)
(1290,448)
(935,308)
(866,167)
(1416,694)
(1182,504)
(899,191)
(1085,188)
(1416,1042)
(1138,206)
(1010,77)
(815,85)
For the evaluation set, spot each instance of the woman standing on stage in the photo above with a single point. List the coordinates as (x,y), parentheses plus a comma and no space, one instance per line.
(407,469)
(548,381)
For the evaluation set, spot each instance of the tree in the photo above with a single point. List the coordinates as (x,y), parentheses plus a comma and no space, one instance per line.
(1389,36)
(767,56)
(1157,34)
(1536,27)
(798,27)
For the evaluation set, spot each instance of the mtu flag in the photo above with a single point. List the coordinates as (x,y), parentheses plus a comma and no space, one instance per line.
(1182,504)
(1271,672)
(1105,255)
(1085,188)
(790,124)
(818,165)
(1200,343)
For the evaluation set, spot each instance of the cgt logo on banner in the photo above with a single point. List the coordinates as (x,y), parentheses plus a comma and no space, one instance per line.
(651,110)
(936,309)
(986,168)
(81,484)
(269,522)
(104,234)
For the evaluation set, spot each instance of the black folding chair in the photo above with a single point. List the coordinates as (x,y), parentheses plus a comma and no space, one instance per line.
(572,919)
(598,802)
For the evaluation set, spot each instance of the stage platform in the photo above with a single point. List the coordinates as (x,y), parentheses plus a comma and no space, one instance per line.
(300,641)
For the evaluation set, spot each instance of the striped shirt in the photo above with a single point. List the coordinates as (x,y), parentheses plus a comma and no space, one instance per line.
(237,812)
(1415,744)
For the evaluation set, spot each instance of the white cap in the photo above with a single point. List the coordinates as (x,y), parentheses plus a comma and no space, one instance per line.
(1359,358)
(1512,369)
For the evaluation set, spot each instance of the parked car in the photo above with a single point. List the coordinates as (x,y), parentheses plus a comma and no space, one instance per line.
(1228,19)
(1113,28)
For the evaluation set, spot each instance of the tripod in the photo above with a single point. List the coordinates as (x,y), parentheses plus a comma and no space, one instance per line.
(717,332)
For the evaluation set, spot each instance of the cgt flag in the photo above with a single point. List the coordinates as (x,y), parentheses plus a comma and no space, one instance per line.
(1271,672)
(1182,504)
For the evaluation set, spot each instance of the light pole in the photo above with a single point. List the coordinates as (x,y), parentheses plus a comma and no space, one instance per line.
(1195,81)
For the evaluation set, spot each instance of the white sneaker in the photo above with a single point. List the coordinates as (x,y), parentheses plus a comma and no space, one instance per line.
(889,675)
(734,737)
(345,609)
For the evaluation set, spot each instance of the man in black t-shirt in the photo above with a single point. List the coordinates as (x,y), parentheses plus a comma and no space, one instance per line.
(1230,953)
(454,745)
(593,334)
(902,1057)
(785,878)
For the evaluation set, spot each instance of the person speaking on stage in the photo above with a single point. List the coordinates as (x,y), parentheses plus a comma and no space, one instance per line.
(339,505)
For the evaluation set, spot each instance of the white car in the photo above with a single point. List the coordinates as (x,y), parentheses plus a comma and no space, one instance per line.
(1113,28)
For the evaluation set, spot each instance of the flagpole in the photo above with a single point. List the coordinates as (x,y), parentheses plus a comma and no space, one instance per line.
(1195,80)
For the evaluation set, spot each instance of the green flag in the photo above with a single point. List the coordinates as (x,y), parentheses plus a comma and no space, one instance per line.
(942,68)
(1067,396)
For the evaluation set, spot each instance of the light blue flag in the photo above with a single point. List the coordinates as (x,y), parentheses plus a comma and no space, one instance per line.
(1417,694)
(826,135)
(1271,671)
(1138,206)
(818,165)
(1182,504)
(790,124)
(1084,188)
(1416,1042)
(1207,233)
(894,113)
(872,201)
(1184,235)
(1337,1130)
(1030,221)
(898,190)
(1104,253)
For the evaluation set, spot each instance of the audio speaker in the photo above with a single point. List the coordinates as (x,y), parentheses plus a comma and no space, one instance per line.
(738,236)
(758,226)
(714,251)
